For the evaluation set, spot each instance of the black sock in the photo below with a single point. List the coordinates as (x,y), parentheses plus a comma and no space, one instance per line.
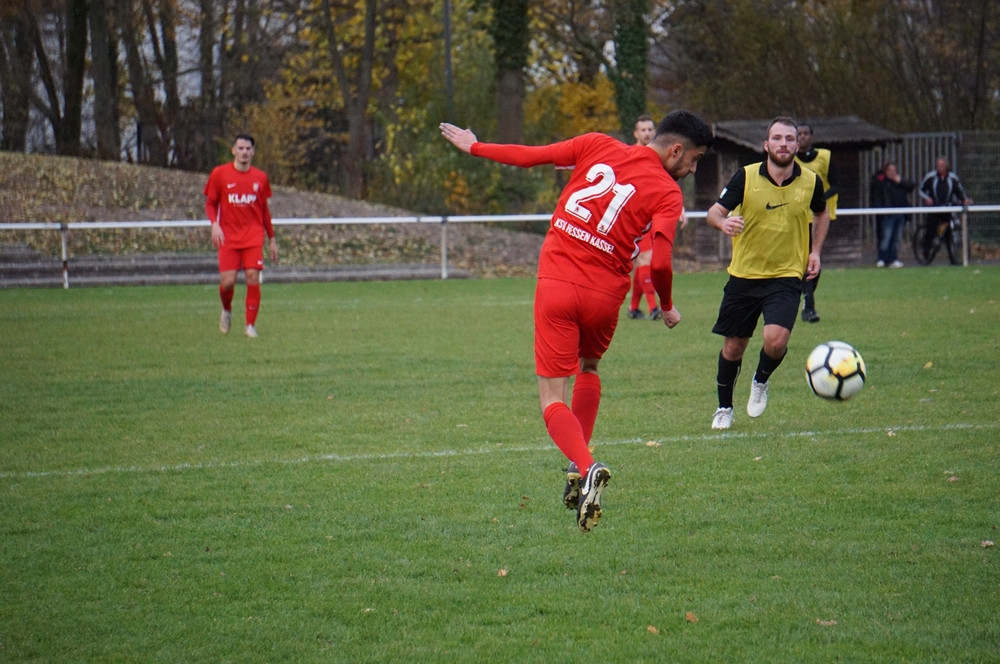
(807,294)
(725,379)
(766,366)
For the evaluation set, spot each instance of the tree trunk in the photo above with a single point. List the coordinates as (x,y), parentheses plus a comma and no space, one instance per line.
(356,94)
(510,106)
(631,59)
(104,69)
(68,140)
(206,59)
(509,30)
(149,141)
(16,51)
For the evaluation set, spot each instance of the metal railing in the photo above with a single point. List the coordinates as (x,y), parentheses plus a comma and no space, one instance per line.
(443,220)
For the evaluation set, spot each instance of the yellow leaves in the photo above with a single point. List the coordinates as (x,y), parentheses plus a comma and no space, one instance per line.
(585,108)
(571,108)
(458,196)
(690,617)
(826,623)
(503,572)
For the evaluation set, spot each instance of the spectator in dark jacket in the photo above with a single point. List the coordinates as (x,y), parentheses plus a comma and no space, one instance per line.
(941,187)
(889,190)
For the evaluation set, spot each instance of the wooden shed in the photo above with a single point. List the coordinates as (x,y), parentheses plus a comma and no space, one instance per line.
(740,142)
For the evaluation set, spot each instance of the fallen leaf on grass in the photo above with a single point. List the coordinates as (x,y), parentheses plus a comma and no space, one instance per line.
(690,617)
(986,543)
(652,630)
(652,443)
(502,572)
(826,623)
(953,478)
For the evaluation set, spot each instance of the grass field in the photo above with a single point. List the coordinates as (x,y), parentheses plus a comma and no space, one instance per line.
(370,481)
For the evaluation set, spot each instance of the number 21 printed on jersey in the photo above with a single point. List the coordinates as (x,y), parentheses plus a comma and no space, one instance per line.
(604,181)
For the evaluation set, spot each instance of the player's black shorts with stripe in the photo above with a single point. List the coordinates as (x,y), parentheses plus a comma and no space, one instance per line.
(744,300)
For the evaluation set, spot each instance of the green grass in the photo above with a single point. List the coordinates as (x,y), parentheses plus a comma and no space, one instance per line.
(349,486)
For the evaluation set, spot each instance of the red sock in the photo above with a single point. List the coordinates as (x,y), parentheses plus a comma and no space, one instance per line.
(564,429)
(646,283)
(253,303)
(636,291)
(227,298)
(586,401)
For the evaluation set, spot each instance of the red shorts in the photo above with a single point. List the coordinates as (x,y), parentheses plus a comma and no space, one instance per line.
(571,322)
(251,258)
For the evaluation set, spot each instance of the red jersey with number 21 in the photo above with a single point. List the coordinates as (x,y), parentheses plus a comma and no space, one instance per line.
(615,193)
(239,202)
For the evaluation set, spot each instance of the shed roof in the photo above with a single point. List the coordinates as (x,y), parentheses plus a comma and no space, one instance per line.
(844,131)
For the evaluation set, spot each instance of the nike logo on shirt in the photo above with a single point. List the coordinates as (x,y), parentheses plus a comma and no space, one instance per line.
(775,207)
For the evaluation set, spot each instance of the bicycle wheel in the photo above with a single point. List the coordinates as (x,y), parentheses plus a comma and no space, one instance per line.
(953,240)
(923,255)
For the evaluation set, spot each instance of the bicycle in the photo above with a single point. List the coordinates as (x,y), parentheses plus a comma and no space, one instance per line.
(949,234)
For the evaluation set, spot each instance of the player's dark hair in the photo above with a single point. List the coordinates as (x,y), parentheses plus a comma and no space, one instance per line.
(645,117)
(781,119)
(687,126)
(244,137)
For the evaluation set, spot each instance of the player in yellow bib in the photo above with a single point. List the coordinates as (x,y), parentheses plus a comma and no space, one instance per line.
(820,162)
(779,202)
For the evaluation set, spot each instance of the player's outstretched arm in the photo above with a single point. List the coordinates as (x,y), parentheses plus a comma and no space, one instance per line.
(460,138)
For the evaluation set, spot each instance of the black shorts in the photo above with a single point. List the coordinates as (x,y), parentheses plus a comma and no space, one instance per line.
(744,300)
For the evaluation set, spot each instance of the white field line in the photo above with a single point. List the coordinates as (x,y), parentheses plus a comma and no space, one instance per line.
(498,448)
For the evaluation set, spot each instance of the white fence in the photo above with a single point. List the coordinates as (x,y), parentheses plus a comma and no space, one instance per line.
(443,221)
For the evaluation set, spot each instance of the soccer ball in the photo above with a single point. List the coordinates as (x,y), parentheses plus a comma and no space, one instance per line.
(835,370)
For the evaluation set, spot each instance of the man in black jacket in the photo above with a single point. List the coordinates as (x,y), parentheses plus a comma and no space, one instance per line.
(889,190)
(940,187)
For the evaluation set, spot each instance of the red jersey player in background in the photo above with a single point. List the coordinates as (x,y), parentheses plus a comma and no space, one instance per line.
(236,203)
(616,193)
(644,131)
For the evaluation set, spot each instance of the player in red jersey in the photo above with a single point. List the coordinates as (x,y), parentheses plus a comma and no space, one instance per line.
(236,203)
(616,193)
(644,131)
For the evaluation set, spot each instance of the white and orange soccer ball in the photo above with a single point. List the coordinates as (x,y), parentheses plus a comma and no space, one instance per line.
(835,370)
